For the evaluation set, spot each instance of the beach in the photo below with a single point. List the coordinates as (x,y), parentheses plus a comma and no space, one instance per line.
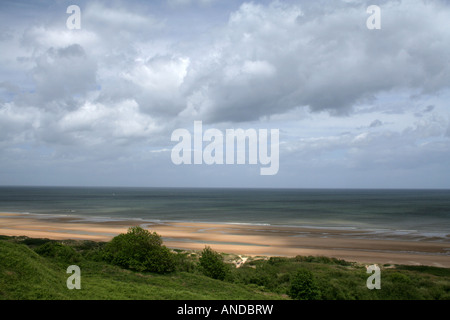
(251,240)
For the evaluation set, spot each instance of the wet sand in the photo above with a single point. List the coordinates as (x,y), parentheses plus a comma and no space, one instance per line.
(251,240)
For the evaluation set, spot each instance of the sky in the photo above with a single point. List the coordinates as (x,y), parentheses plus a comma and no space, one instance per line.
(96,106)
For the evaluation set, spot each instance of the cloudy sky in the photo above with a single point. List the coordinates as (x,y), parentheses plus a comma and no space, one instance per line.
(96,106)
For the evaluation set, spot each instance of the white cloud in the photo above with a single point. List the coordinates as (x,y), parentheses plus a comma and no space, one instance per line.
(330,63)
(343,96)
(39,38)
(159,73)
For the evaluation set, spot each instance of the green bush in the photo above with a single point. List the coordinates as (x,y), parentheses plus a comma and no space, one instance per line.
(303,286)
(139,250)
(212,264)
(31,242)
(323,260)
(264,276)
(277,260)
(59,251)
(399,286)
(184,262)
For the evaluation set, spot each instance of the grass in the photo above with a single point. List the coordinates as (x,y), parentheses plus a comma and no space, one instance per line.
(25,274)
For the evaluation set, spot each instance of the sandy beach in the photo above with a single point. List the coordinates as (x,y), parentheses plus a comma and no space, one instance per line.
(251,240)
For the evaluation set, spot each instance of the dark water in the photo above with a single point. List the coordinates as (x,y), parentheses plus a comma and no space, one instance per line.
(402,211)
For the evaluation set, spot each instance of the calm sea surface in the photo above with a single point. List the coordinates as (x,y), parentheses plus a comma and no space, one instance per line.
(424,212)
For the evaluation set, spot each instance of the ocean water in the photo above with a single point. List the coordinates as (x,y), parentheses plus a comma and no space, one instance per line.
(415,212)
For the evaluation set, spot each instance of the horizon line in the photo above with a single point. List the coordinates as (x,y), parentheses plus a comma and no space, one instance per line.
(206,187)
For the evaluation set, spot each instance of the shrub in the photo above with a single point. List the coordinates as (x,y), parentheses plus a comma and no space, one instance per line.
(399,286)
(31,242)
(184,262)
(277,260)
(59,251)
(322,259)
(140,250)
(212,264)
(265,276)
(303,286)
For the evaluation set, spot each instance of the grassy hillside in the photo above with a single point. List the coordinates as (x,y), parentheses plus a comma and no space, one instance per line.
(28,270)
(26,275)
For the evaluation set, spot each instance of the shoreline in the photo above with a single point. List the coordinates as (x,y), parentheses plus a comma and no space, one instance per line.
(244,239)
(372,233)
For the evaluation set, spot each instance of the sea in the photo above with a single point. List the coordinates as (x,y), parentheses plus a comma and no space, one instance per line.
(423,214)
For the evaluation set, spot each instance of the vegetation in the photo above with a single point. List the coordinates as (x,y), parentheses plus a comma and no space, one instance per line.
(212,265)
(120,269)
(303,286)
(58,251)
(25,275)
(140,250)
